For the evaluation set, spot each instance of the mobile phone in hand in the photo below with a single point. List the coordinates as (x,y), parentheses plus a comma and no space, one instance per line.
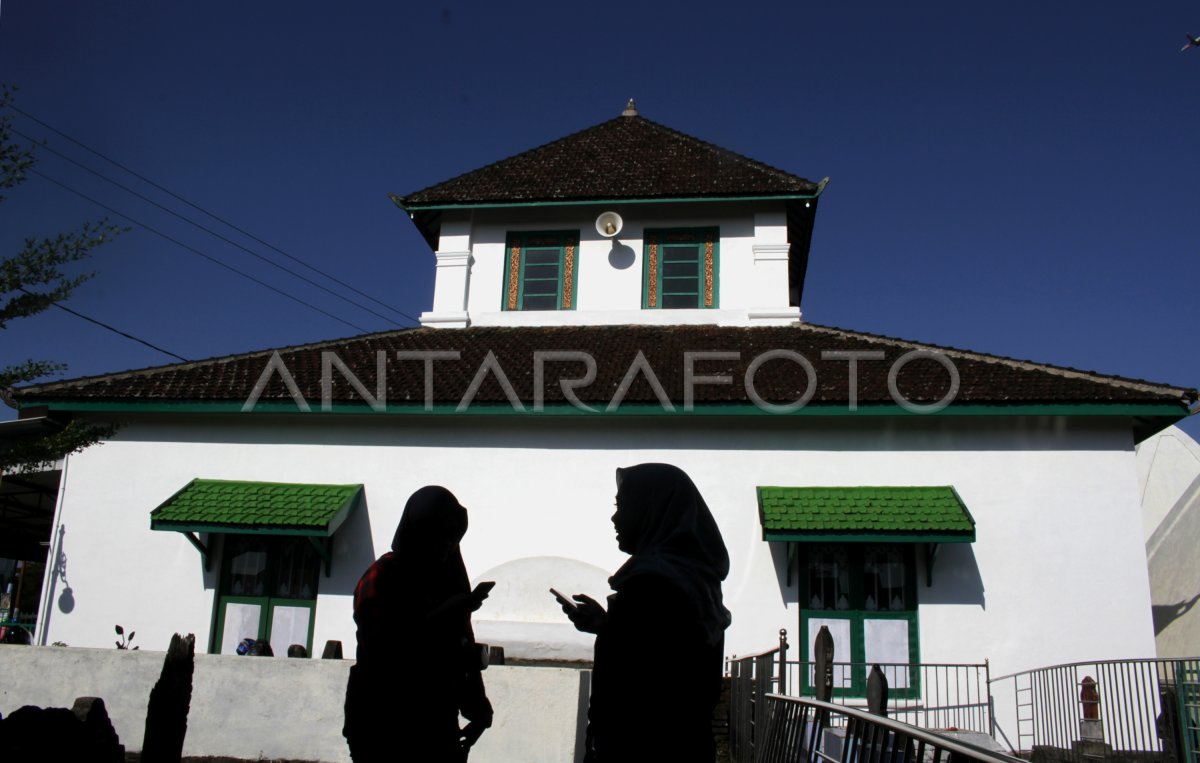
(563,600)
(483,589)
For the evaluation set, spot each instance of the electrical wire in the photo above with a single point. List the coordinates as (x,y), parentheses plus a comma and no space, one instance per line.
(195,251)
(110,328)
(201,209)
(309,281)
(198,208)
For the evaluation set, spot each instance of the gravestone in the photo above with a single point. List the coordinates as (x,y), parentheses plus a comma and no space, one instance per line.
(877,692)
(823,664)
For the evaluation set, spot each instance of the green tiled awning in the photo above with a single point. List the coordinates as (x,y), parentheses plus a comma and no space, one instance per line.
(864,515)
(267,508)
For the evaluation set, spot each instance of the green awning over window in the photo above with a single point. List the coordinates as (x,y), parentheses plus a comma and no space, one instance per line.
(267,508)
(864,515)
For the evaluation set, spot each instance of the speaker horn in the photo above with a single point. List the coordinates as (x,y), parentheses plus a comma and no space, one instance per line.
(609,224)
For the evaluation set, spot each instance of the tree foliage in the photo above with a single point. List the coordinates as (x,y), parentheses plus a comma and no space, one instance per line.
(31,281)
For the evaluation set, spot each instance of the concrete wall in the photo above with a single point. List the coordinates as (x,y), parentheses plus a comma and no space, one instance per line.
(752,277)
(1057,574)
(1169,475)
(262,708)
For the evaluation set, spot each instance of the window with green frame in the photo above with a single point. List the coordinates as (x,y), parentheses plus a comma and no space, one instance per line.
(866,594)
(540,270)
(267,590)
(681,268)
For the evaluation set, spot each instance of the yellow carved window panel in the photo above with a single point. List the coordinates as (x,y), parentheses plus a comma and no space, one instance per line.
(540,272)
(681,268)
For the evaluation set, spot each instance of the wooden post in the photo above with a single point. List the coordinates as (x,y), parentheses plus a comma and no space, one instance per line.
(877,692)
(170,699)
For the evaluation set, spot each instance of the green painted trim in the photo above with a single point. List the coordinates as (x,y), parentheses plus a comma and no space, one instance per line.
(205,553)
(658,235)
(881,537)
(266,603)
(238,529)
(215,618)
(324,550)
(520,239)
(860,670)
(221,602)
(281,649)
(584,202)
(857,618)
(1158,410)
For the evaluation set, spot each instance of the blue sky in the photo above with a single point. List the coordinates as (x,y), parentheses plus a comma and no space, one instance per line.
(1015,178)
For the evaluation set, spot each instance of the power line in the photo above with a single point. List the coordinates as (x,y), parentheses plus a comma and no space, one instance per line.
(195,251)
(214,216)
(110,328)
(207,230)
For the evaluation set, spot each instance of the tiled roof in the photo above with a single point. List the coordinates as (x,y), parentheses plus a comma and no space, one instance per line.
(629,157)
(233,506)
(984,379)
(863,511)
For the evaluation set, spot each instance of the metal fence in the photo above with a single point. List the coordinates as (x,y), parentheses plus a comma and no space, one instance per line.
(797,729)
(1110,710)
(929,695)
(751,679)
(934,696)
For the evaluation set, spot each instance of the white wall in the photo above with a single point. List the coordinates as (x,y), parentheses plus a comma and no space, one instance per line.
(259,708)
(752,280)
(1169,474)
(1058,572)
(1167,463)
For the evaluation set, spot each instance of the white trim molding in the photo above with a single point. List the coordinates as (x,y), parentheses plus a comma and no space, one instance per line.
(771,252)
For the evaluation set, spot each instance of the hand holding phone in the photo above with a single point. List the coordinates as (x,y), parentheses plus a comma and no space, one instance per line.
(483,589)
(586,613)
(564,601)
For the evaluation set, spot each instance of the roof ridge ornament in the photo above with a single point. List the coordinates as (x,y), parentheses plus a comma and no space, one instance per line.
(630,109)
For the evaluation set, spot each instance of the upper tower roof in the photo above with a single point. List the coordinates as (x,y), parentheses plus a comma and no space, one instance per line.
(626,158)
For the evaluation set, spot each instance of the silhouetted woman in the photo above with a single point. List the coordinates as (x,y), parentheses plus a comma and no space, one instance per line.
(418,665)
(659,646)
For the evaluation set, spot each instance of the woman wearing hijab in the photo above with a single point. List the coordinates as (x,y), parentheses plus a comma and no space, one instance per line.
(659,646)
(418,664)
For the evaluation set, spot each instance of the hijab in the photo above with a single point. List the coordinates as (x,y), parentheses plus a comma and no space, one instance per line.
(426,542)
(670,532)
(424,567)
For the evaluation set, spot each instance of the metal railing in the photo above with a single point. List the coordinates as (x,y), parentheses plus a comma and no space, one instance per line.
(940,696)
(1093,711)
(928,695)
(751,679)
(798,729)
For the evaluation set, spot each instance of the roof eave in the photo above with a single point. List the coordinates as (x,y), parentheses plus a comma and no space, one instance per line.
(882,536)
(427,217)
(1146,416)
(416,206)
